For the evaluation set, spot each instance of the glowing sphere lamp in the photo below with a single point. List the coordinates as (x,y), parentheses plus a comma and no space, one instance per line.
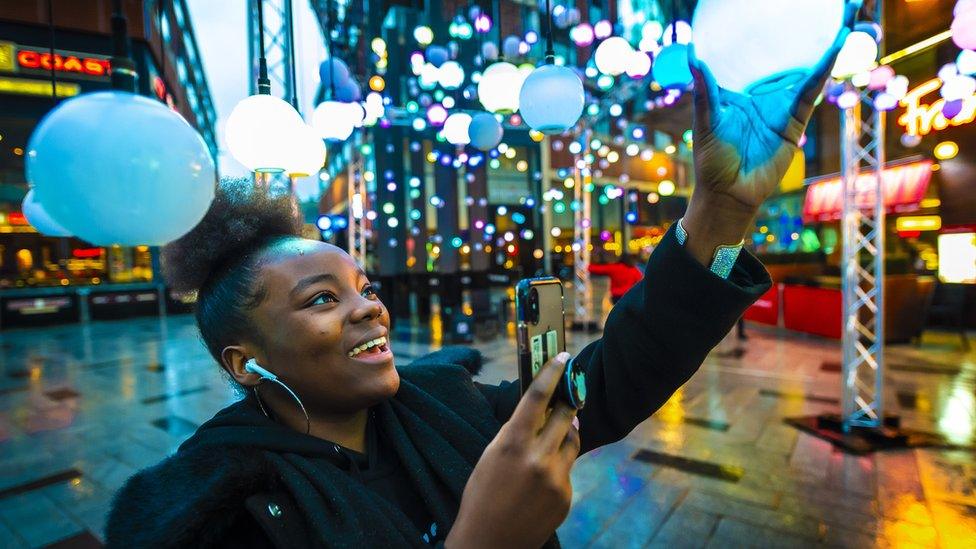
(437,55)
(859,54)
(552,99)
(966,62)
(348,91)
(582,35)
(257,132)
(143,177)
(451,75)
(456,128)
(308,156)
(639,65)
(776,45)
(670,69)
(613,55)
(964,29)
(39,219)
(335,120)
(333,66)
(485,131)
(499,87)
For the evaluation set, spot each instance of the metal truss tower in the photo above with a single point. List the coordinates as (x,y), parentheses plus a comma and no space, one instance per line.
(863,221)
(278,47)
(358,204)
(583,289)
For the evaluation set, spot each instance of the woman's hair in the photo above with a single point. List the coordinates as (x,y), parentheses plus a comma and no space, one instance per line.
(220,259)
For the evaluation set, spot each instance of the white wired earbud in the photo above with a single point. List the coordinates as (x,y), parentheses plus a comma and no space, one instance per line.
(253,367)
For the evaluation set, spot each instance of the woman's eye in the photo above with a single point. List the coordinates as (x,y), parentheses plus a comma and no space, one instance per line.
(322,299)
(369,291)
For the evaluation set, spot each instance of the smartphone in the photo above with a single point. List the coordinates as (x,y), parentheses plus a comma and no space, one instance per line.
(541,334)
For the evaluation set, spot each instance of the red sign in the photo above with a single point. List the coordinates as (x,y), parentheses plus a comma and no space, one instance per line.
(86,253)
(90,66)
(904,186)
(17,218)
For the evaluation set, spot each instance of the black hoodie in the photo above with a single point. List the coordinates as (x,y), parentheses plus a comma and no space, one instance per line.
(244,480)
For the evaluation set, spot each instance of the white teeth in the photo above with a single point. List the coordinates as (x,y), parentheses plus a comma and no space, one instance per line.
(368,345)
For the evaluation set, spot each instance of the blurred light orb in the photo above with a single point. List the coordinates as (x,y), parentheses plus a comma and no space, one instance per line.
(500,86)
(639,65)
(897,87)
(436,114)
(963,6)
(652,30)
(861,79)
(118,168)
(953,108)
(551,99)
(485,131)
(348,91)
(437,55)
(39,219)
(947,150)
(456,128)
(603,29)
(429,76)
(859,54)
(948,71)
(334,120)
(666,188)
(378,45)
(333,66)
(880,77)
(966,62)
(964,29)
(885,102)
(909,140)
(613,55)
(958,87)
(670,69)
(451,75)
(510,46)
(482,23)
(489,50)
(684,31)
(775,46)
(582,35)
(423,35)
(376,83)
(258,133)
(848,99)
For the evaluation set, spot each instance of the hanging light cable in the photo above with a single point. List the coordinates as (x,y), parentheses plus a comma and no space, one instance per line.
(123,72)
(54,77)
(501,82)
(333,119)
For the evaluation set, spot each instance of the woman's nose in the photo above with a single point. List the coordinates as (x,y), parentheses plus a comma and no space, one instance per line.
(366,310)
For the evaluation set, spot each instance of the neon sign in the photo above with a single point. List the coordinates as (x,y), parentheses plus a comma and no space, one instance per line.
(921,120)
(90,66)
(904,187)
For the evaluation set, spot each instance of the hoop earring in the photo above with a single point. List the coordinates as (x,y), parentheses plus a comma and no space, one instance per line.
(308,422)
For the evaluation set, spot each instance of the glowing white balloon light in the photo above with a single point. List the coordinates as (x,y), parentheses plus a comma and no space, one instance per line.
(958,87)
(638,65)
(39,219)
(670,69)
(451,75)
(335,120)
(684,31)
(119,168)
(859,54)
(775,45)
(499,87)
(456,128)
(897,87)
(552,99)
(308,155)
(613,55)
(429,76)
(260,132)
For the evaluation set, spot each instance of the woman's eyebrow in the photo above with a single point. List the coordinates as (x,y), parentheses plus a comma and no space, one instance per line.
(304,283)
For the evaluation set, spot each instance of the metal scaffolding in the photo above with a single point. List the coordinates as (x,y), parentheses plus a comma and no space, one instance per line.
(278,47)
(582,221)
(863,160)
(358,202)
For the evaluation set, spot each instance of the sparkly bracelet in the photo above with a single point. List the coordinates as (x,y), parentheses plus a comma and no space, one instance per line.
(724,257)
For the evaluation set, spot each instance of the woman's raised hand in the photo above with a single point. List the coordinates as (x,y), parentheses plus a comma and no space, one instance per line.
(519,491)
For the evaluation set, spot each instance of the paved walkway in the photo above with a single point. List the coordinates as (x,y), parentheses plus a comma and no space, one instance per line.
(84,407)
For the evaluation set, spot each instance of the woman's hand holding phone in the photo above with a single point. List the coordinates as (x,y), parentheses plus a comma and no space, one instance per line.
(519,491)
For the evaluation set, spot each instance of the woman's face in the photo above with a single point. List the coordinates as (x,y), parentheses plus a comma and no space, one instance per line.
(323,330)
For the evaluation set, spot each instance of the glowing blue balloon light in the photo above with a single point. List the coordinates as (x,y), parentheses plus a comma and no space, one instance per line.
(485,131)
(774,47)
(552,99)
(39,219)
(143,177)
(671,67)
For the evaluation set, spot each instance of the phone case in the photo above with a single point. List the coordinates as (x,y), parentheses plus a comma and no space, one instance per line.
(541,333)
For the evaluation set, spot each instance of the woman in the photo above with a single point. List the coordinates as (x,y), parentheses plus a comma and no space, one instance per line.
(623,275)
(334,446)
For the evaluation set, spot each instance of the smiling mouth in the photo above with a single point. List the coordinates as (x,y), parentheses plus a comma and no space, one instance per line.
(376,346)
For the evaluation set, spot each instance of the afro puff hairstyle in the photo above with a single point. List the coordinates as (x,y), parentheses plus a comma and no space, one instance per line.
(220,258)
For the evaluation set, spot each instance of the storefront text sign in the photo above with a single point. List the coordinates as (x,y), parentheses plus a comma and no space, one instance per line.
(29,60)
(904,187)
(921,119)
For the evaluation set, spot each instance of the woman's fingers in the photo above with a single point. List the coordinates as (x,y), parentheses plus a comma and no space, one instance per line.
(570,448)
(554,432)
(530,414)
